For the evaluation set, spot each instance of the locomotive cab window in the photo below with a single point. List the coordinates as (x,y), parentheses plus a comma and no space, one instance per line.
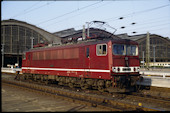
(119,49)
(131,50)
(101,49)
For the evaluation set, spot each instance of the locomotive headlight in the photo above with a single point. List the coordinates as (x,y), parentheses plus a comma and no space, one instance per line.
(113,69)
(136,69)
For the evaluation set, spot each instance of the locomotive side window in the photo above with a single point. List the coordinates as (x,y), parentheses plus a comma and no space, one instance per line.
(87,52)
(101,49)
(72,53)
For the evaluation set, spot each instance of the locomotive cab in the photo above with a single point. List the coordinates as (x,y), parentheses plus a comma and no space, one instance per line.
(125,67)
(125,58)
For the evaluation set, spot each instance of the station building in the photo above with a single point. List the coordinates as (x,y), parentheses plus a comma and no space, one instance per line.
(17,37)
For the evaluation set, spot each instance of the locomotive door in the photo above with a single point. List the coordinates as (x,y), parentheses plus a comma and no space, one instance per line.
(87,62)
(28,60)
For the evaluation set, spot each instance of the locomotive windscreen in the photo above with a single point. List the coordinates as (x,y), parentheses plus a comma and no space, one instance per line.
(121,49)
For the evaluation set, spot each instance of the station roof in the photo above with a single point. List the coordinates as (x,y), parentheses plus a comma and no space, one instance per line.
(49,36)
(141,36)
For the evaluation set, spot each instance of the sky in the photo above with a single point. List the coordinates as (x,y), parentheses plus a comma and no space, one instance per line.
(133,17)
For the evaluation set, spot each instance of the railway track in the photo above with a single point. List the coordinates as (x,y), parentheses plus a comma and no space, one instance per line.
(137,98)
(100,101)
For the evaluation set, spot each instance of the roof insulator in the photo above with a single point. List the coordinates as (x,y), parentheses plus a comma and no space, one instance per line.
(121,18)
(133,23)
(122,27)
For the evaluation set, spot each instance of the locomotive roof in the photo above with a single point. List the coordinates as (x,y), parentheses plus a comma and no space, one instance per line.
(84,43)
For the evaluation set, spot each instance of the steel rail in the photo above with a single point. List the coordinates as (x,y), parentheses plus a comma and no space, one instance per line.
(78,97)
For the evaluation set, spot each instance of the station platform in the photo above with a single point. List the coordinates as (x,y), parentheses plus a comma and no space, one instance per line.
(10,70)
(157,78)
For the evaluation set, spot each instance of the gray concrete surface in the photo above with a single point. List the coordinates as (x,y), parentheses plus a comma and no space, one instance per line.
(18,100)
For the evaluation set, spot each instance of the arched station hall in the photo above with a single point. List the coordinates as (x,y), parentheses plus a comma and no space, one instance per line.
(16,38)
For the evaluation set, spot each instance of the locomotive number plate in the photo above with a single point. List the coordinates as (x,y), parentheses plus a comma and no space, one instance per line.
(126,69)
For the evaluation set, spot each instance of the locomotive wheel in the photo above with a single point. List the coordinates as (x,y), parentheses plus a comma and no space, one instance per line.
(71,85)
(46,82)
(25,77)
(101,89)
(108,84)
(60,83)
(100,85)
(35,78)
(83,86)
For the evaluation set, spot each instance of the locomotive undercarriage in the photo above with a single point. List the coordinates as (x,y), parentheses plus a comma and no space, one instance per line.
(124,83)
(116,84)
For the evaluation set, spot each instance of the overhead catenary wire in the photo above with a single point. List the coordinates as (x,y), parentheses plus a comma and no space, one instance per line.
(139,12)
(74,16)
(121,17)
(153,29)
(28,10)
(68,13)
(138,25)
(164,30)
(146,28)
(134,13)
(152,21)
(23,11)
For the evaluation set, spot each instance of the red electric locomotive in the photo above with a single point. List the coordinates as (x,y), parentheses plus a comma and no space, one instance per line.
(109,64)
